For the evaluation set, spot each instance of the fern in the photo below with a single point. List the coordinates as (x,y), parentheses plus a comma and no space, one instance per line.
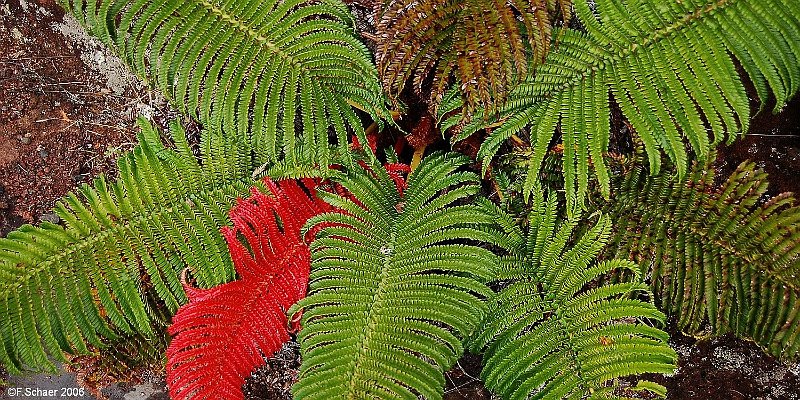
(551,332)
(64,287)
(223,333)
(392,293)
(253,70)
(486,44)
(669,67)
(400,271)
(718,256)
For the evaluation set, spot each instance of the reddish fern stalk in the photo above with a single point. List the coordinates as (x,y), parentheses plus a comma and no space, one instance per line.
(222,334)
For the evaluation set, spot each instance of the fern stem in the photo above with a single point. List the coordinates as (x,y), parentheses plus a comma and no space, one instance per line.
(417,157)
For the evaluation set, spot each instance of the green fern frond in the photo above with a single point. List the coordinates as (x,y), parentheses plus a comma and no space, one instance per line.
(252,69)
(394,289)
(726,258)
(551,332)
(307,167)
(127,354)
(64,287)
(667,64)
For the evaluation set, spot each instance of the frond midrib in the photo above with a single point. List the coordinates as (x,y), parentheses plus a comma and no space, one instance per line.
(368,328)
(247,30)
(554,308)
(82,242)
(660,34)
(573,353)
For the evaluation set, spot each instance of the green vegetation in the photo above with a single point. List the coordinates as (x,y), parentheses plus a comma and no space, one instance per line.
(562,279)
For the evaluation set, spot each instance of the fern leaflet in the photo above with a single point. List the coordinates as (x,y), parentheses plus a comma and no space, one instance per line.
(254,70)
(720,256)
(486,44)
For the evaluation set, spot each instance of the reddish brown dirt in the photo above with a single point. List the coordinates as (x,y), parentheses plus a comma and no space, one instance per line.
(62,123)
(67,111)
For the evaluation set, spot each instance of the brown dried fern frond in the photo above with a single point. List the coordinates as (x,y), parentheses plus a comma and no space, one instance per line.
(486,44)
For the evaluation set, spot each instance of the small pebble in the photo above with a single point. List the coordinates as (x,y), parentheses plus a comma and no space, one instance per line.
(16,34)
(99,57)
(24,139)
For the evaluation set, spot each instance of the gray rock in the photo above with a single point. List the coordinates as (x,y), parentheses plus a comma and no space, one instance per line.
(50,217)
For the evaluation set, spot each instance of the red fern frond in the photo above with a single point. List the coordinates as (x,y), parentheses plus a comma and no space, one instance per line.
(222,334)
(397,171)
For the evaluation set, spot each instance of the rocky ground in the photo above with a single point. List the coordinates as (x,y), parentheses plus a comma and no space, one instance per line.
(68,109)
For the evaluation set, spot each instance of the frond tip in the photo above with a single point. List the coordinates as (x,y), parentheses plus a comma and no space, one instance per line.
(225,332)
(392,295)
(551,333)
